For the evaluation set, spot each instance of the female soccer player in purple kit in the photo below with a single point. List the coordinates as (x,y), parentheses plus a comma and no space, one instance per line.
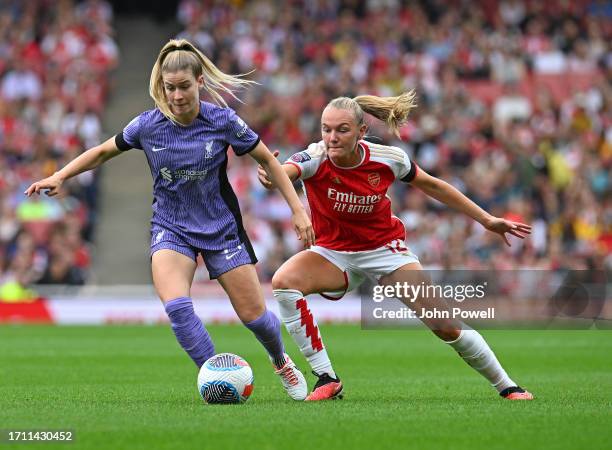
(195,209)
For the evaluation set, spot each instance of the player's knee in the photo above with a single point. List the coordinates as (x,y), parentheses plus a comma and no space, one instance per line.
(166,294)
(286,280)
(249,313)
(448,334)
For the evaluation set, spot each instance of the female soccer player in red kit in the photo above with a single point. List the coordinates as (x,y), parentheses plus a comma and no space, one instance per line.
(346,179)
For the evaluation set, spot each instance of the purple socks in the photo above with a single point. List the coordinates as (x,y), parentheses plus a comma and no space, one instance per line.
(195,340)
(189,330)
(267,331)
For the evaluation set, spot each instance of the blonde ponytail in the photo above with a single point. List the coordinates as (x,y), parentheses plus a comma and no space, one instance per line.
(393,111)
(180,54)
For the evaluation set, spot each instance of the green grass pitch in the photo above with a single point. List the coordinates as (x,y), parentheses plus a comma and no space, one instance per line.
(131,387)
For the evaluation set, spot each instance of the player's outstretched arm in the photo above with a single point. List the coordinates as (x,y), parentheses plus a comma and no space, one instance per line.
(87,160)
(449,195)
(278,176)
(264,179)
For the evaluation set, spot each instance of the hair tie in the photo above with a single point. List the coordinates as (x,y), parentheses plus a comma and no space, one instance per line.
(174,47)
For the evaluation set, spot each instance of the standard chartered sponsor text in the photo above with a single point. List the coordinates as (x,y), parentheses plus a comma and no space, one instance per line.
(184,174)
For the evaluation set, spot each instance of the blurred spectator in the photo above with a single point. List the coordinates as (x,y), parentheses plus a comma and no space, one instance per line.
(515,103)
(55,59)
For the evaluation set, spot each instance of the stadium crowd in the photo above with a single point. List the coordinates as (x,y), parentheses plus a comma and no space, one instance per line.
(515,109)
(55,63)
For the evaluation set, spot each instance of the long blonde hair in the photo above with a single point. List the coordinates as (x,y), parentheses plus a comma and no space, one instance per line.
(180,54)
(393,111)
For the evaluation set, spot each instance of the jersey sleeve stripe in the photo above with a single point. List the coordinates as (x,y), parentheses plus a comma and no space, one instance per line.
(297,167)
(386,150)
(411,173)
(121,143)
(251,148)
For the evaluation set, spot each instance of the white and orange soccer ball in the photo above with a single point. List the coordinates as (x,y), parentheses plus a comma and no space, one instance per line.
(225,378)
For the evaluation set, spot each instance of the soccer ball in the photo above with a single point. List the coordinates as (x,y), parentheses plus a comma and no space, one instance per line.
(225,378)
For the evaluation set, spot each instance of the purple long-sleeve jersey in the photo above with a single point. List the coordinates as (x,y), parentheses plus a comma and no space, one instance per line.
(191,193)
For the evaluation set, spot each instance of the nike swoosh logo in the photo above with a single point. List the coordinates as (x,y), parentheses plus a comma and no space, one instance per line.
(232,255)
(155,149)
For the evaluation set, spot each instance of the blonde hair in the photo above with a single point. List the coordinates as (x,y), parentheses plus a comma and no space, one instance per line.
(180,54)
(391,110)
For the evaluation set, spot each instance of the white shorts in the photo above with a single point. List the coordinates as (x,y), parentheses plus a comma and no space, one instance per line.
(357,266)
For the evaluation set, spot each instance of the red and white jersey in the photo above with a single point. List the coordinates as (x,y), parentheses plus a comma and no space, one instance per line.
(349,205)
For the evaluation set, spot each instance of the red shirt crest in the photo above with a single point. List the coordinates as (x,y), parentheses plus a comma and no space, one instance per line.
(374,179)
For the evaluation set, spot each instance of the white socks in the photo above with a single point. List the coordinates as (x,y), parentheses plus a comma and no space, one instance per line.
(303,328)
(300,323)
(475,351)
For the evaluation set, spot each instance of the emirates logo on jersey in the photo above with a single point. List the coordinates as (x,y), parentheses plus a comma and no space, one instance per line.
(374,179)
(349,202)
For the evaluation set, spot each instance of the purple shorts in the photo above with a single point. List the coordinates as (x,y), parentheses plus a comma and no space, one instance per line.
(217,261)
